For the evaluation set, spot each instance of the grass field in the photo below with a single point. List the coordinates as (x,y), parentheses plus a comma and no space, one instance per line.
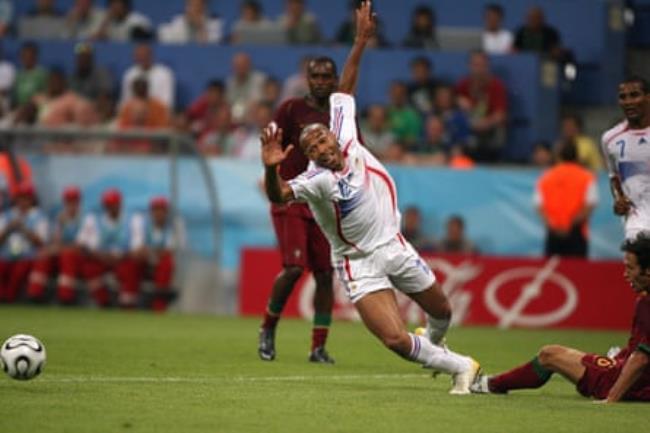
(138,372)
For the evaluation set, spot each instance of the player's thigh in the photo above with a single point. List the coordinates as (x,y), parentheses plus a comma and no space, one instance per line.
(318,248)
(409,272)
(291,232)
(564,360)
(380,314)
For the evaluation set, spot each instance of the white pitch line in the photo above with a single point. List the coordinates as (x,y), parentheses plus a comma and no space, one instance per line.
(233,379)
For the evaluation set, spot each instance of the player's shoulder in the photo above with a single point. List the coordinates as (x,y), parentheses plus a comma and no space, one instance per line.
(614,132)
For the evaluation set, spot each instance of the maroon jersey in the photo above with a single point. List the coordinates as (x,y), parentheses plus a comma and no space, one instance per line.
(640,334)
(292,116)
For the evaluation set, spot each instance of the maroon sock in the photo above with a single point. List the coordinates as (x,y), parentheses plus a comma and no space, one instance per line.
(318,337)
(529,375)
(270,320)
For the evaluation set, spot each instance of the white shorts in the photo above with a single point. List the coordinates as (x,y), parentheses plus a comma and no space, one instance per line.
(392,265)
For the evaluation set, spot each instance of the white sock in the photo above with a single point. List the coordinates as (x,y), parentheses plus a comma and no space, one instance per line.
(436,357)
(437,328)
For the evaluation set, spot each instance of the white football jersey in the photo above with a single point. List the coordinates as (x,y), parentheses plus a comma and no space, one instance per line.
(356,207)
(627,153)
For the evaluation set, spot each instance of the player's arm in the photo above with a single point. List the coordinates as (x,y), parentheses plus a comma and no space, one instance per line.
(366,25)
(622,204)
(630,373)
(277,190)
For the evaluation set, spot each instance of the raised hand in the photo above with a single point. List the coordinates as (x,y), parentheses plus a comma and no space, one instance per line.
(272,152)
(366,21)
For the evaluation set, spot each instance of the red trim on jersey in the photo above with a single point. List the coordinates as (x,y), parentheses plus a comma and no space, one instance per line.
(386,179)
(401,239)
(347,268)
(346,148)
(339,227)
(627,127)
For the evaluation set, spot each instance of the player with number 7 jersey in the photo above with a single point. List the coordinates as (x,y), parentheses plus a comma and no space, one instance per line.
(626,147)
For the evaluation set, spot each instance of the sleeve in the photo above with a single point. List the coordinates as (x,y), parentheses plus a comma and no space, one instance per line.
(610,159)
(137,232)
(644,328)
(311,185)
(89,233)
(343,118)
(592,193)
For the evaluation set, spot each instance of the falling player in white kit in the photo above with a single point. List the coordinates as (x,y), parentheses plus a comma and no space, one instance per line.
(627,151)
(354,201)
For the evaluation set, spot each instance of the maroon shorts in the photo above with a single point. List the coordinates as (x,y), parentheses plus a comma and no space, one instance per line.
(300,240)
(601,374)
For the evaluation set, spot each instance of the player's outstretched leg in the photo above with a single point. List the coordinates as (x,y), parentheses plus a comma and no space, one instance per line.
(534,374)
(282,288)
(380,314)
(323,303)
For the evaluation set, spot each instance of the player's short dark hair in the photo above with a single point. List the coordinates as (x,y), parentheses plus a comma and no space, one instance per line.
(323,59)
(421,60)
(568,151)
(645,85)
(640,247)
(496,8)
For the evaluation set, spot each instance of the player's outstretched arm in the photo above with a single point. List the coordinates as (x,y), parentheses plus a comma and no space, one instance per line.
(366,25)
(277,190)
(630,373)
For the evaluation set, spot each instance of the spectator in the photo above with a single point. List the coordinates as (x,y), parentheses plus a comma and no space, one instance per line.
(271,91)
(484,97)
(422,33)
(61,107)
(6,15)
(565,197)
(13,172)
(195,25)
(64,235)
(88,79)
(246,138)
(347,30)
(7,79)
(154,240)
(376,132)
(412,231)
(122,24)
(161,78)
(103,246)
(23,231)
(42,22)
(105,109)
(422,85)
(455,120)
(404,120)
(542,155)
(83,20)
(217,136)
(455,240)
(496,39)
(31,78)
(536,35)
(244,86)
(295,86)
(435,146)
(301,26)
(143,110)
(251,18)
(200,111)
(588,151)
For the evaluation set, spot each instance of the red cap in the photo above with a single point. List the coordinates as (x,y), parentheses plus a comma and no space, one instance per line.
(71,193)
(111,196)
(25,188)
(159,202)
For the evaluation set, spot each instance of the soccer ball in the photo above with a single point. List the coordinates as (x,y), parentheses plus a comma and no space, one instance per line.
(23,356)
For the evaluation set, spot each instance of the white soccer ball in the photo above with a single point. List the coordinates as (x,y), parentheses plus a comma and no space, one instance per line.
(22,356)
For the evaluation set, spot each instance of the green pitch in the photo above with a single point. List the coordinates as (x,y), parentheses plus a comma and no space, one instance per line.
(138,372)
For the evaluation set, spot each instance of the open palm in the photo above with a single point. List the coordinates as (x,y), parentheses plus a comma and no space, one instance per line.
(272,152)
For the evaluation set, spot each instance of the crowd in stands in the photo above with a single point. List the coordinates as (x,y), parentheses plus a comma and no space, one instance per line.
(426,121)
(106,257)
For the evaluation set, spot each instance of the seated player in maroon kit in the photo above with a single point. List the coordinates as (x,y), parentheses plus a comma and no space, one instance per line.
(625,376)
(300,240)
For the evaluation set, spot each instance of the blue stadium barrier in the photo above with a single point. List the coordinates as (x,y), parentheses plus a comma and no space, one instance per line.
(496,203)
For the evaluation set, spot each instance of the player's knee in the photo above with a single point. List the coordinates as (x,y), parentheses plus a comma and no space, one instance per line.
(397,341)
(549,354)
(323,280)
(292,273)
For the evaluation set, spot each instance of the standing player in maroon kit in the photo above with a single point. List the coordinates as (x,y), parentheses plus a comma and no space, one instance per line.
(301,242)
(625,376)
